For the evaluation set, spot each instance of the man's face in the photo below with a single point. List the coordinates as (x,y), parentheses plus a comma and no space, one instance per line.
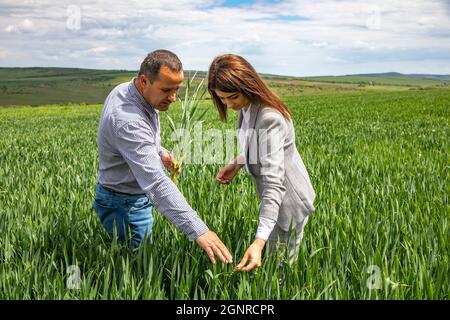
(163,90)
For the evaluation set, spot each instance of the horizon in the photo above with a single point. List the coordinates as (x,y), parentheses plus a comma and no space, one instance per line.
(279,37)
(262,73)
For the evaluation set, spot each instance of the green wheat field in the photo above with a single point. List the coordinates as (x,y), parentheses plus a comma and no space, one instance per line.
(379,163)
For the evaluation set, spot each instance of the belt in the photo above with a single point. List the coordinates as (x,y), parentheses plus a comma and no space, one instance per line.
(118,192)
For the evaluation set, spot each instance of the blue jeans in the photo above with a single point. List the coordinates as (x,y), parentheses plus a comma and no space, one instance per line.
(129,216)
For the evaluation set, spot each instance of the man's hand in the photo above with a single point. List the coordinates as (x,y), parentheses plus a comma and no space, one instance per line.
(211,243)
(227,173)
(252,256)
(168,160)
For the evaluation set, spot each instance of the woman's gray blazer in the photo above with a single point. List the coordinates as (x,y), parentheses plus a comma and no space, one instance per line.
(272,159)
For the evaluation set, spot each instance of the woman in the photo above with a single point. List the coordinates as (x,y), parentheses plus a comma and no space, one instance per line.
(267,138)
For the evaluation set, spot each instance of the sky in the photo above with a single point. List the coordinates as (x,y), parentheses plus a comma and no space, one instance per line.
(286,37)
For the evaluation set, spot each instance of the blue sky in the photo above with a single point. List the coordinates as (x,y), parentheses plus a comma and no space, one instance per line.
(237,3)
(291,37)
(240,3)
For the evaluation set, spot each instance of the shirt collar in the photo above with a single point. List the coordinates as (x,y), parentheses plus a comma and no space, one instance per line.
(141,102)
(246,114)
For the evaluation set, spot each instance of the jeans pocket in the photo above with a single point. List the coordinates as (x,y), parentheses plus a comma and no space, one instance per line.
(104,209)
(104,203)
(140,204)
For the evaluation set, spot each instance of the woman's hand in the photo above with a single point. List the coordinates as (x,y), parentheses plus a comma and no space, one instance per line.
(228,172)
(252,257)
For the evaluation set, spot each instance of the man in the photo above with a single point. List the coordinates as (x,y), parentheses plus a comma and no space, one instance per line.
(131,178)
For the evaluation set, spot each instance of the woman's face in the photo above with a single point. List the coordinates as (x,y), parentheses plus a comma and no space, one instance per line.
(233,100)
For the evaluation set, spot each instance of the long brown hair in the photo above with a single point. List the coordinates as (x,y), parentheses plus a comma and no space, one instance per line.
(232,73)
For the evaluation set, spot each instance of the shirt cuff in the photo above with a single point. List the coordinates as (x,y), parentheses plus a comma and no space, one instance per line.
(196,229)
(265,228)
(240,159)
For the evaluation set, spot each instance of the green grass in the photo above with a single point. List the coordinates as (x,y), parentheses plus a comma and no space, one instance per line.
(379,164)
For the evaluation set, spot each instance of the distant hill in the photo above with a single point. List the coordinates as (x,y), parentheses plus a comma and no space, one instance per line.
(36,86)
(442,77)
(387,78)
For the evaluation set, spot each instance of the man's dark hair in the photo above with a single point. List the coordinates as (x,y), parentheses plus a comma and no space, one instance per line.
(157,59)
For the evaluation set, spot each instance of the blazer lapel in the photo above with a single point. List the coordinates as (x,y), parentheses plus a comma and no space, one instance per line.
(252,138)
(240,118)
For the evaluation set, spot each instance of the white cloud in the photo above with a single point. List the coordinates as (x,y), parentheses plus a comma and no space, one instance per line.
(328,36)
(4,54)
(320,44)
(10,28)
(359,44)
(26,26)
(99,50)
